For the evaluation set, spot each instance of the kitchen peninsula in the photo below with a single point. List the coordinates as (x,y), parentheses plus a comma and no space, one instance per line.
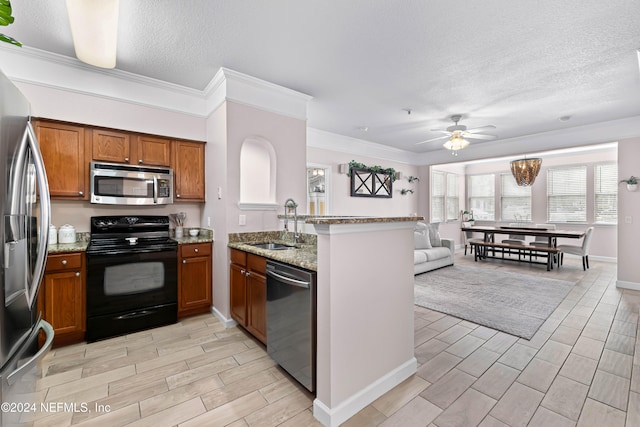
(364,307)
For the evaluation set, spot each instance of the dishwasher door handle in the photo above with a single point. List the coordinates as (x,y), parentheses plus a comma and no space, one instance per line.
(288,280)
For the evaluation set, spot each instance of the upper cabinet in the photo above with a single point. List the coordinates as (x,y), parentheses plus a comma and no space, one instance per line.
(152,151)
(188,165)
(111,146)
(66,152)
(69,148)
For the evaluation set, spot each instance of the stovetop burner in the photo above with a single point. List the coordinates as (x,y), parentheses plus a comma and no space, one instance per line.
(129,233)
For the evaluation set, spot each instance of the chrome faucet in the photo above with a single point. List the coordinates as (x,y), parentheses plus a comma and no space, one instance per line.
(288,205)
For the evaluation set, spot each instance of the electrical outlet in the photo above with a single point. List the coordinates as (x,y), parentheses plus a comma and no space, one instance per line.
(242,220)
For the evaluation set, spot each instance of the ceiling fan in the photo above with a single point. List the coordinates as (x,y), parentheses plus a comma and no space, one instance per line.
(458,135)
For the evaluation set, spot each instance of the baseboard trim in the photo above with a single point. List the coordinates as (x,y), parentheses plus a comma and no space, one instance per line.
(227,323)
(627,285)
(333,417)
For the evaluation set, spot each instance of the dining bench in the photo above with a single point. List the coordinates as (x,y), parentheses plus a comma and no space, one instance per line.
(482,250)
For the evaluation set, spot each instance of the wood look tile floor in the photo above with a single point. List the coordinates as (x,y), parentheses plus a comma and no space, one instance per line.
(582,368)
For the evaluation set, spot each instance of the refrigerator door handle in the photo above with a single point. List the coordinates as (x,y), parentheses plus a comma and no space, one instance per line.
(26,367)
(45,213)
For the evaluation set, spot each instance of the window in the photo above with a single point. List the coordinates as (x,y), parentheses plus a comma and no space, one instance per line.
(453,206)
(567,194)
(437,196)
(482,197)
(515,201)
(606,193)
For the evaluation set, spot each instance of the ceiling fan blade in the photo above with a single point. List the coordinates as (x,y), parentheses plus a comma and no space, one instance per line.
(480,136)
(433,139)
(440,130)
(481,128)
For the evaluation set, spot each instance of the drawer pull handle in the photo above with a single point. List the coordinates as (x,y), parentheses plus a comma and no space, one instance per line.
(80,193)
(140,161)
(195,250)
(126,159)
(63,262)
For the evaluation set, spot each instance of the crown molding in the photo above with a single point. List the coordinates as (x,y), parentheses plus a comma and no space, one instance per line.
(344,144)
(37,67)
(229,85)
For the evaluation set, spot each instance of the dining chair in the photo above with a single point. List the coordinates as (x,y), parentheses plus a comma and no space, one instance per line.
(542,240)
(582,251)
(515,239)
(468,238)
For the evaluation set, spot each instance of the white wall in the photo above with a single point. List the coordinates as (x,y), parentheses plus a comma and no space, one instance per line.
(340,200)
(628,205)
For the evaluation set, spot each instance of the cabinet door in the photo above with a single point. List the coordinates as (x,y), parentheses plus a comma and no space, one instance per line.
(238,291)
(64,303)
(152,151)
(188,165)
(111,146)
(195,285)
(257,305)
(65,152)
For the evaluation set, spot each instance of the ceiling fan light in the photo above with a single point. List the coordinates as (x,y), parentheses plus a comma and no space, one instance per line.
(525,171)
(94,28)
(456,143)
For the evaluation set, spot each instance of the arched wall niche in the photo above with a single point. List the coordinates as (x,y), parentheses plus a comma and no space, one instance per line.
(257,174)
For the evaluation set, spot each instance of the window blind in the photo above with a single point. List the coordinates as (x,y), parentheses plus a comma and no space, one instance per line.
(437,196)
(482,196)
(515,201)
(606,193)
(567,194)
(453,205)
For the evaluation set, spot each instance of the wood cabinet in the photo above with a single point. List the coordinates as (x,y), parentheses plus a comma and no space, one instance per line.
(62,296)
(111,146)
(152,151)
(188,169)
(66,152)
(194,279)
(248,292)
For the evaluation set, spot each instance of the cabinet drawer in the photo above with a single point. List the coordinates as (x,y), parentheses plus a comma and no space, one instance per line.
(257,263)
(238,257)
(64,261)
(198,249)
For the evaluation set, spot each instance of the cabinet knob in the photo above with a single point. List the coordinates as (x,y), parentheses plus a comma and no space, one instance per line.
(63,262)
(196,250)
(178,196)
(184,261)
(140,161)
(126,159)
(77,274)
(242,271)
(248,273)
(80,193)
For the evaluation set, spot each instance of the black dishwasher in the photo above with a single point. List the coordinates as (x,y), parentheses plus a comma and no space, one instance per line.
(291,321)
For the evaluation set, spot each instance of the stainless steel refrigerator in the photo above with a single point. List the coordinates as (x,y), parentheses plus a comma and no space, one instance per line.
(24,200)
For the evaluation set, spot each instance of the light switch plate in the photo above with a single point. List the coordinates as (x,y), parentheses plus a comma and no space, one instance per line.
(242,220)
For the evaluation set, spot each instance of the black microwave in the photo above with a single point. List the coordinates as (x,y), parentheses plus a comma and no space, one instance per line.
(115,184)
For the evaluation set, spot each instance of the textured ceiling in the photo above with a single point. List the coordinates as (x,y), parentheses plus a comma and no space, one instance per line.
(518,65)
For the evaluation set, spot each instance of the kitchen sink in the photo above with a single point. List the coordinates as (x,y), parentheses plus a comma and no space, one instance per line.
(273,246)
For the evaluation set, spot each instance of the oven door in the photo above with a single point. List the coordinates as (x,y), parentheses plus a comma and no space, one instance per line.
(135,288)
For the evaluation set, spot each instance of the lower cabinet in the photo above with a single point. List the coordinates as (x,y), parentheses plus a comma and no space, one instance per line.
(62,297)
(248,289)
(194,279)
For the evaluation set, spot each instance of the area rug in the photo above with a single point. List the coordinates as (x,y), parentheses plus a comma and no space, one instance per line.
(517,304)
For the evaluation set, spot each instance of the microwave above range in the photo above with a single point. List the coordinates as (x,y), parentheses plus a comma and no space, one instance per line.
(115,184)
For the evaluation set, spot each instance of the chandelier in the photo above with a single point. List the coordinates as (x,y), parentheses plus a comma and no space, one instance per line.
(525,171)
(456,143)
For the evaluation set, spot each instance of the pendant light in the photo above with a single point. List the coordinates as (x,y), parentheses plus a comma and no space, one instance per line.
(525,170)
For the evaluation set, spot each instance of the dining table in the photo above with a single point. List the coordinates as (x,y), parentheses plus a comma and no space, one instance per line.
(552,234)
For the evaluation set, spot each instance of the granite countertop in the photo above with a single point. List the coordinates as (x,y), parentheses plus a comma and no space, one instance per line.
(359,219)
(304,255)
(205,236)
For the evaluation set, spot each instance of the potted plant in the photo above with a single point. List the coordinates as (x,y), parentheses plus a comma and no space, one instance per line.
(632,183)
